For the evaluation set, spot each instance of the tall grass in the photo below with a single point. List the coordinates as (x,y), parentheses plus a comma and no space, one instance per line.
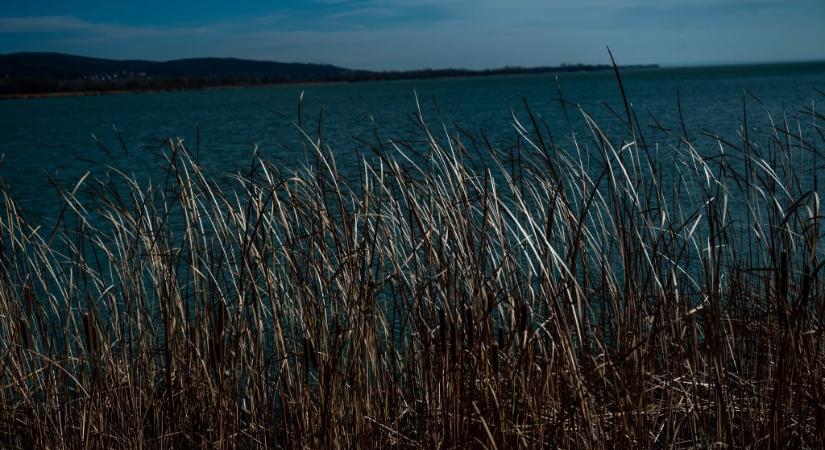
(579,291)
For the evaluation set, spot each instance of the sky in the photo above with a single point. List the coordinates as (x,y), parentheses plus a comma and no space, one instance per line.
(407,34)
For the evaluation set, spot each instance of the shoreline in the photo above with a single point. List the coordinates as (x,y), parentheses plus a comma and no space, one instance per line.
(39,95)
(36,95)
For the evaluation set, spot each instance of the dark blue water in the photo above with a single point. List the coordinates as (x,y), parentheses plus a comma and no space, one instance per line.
(52,137)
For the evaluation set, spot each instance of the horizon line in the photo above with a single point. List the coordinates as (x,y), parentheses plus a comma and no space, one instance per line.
(687,64)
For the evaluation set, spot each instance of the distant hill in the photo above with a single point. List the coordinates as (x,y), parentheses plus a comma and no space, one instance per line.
(63,67)
(59,66)
(44,73)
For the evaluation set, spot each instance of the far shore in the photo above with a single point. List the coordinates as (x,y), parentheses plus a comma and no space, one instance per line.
(35,95)
(390,76)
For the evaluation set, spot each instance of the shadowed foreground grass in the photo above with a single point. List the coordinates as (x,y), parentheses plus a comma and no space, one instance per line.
(583,292)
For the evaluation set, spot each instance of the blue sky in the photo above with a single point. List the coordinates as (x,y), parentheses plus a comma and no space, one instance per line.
(407,34)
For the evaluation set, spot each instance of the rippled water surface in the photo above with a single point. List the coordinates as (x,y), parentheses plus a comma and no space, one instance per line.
(53,137)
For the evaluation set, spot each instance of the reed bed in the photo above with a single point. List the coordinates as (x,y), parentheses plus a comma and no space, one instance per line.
(576,291)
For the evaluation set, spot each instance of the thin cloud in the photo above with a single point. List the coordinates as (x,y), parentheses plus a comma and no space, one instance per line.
(73,25)
(43,24)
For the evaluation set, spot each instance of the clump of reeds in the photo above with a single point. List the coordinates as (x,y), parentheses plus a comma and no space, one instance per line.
(567,292)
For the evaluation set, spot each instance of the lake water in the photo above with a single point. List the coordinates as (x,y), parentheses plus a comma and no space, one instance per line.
(52,137)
